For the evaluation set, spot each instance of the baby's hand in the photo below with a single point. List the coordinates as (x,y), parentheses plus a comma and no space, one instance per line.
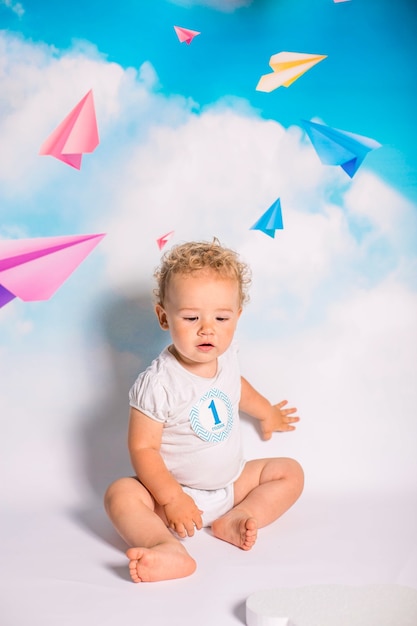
(183,516)
(278,419)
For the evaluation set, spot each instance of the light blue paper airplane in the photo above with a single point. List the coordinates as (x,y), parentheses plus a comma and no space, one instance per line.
(339,147)
(271,220)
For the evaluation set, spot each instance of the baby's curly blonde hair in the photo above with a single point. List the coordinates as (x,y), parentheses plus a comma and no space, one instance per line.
(192,256)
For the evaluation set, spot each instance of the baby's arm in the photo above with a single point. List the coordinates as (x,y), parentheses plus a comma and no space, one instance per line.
(144,444)
(272,417)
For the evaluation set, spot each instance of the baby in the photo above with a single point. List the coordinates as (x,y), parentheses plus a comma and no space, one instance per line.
(184,434)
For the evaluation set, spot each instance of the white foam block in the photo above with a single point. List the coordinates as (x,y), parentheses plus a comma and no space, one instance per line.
(255,619)
(333,605)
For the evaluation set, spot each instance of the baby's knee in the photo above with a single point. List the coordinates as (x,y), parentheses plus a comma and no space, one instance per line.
(296,475)
(114,492)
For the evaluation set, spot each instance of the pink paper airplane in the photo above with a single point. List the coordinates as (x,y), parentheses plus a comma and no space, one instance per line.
(162,241)
(185,34)
(76,135)
(33,269)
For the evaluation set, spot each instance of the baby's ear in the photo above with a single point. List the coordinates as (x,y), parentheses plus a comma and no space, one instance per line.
(162,317)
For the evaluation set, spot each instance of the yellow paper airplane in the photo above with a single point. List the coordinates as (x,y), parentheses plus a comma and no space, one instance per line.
(287,66)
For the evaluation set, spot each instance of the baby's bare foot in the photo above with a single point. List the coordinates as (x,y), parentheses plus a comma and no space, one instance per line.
(161,562)
(236,528)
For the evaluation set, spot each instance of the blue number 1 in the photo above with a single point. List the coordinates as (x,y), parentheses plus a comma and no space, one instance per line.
(217,419)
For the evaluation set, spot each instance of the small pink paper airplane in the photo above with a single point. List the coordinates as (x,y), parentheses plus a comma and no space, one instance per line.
(76,135)
(162,241)
(185,34)
(33,269)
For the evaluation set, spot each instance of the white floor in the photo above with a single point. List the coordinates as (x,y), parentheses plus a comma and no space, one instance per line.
(67,567)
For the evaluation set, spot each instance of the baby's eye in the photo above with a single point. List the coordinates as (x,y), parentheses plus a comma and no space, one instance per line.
(191,319)
(222,319)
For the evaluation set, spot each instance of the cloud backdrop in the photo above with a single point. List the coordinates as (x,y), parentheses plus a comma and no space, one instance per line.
(331,322)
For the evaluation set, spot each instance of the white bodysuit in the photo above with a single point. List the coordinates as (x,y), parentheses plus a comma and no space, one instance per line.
(201,443)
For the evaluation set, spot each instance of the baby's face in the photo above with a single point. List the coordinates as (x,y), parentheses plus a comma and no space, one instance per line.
(201,311)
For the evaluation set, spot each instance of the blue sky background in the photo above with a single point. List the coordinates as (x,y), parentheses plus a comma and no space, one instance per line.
(369,43)
(187,144)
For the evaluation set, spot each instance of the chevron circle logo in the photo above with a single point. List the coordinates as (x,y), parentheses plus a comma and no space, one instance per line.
(211,418)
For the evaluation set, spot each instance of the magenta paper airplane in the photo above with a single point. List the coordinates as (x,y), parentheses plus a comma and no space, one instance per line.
(271,220)
(76,135)
(339,147)
(33,269)
(185,34)
(162,241)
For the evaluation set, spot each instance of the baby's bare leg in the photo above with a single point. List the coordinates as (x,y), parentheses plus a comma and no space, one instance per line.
(263,492)
(155,554)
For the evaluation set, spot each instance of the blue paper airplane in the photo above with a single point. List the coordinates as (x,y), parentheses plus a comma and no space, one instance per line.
(271,220)
(339,147)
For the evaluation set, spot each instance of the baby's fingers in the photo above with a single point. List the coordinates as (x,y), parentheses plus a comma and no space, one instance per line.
(180,530)
(281,404)
(288,421)
(291,418)
(190,528)
(198,520)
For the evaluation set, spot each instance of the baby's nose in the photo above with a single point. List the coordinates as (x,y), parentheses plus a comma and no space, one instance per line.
(206,329)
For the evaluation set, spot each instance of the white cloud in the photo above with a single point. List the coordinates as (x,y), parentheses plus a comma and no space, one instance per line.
(222,5)
(16,7)
(333,305)
(44,406)
(165,167)
(352,377)
(42,87)
(384,210)
(160,166)
(214,174)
